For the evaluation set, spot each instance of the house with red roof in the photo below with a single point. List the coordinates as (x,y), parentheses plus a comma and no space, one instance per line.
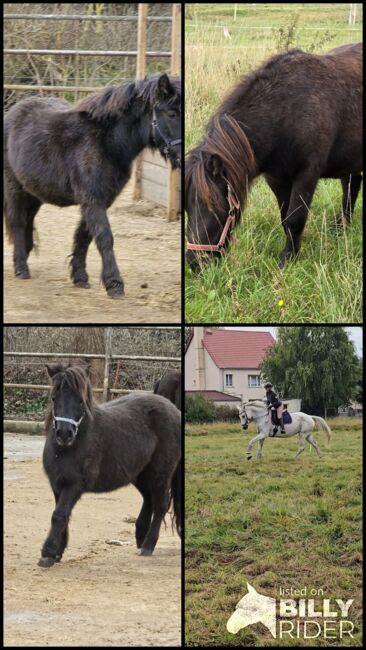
(227,361)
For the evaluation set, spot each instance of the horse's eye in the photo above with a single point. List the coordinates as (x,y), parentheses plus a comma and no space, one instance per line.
(172,113)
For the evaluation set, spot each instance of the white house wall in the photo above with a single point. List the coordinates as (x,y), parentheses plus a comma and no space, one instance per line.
(240,386)
(213,374)
(189,368)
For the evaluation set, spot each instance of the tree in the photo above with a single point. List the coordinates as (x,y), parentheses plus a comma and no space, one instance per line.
(318,364)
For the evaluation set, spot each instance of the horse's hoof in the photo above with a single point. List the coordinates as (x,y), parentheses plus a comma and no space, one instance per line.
(249,457)
(144,551)
(82,285)
(116,291)
(46,562)
(23,275)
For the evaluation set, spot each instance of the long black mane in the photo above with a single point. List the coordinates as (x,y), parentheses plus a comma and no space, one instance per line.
(112,102)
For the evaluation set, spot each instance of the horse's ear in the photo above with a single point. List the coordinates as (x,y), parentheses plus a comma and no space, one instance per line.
(215,165)
(53,370)
(163,88)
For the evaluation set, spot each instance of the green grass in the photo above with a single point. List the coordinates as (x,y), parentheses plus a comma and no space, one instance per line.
(325,284)
(277,522)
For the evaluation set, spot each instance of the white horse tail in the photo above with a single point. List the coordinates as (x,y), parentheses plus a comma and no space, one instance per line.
(323,426)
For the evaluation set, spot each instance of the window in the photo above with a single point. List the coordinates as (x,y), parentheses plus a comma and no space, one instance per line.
(254,380)
(228,381)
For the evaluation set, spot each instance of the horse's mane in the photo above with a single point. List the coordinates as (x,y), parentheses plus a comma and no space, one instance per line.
(259,401)
(225,140)
(111,102)
(76,378)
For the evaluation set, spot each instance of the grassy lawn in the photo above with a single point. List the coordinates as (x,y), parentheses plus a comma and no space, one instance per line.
(325,284)
(275,523)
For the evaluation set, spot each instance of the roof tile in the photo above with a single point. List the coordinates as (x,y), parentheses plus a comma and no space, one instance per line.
(237,349)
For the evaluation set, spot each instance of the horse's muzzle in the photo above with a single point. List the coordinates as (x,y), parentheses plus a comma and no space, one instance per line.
(244,426)
(65,439)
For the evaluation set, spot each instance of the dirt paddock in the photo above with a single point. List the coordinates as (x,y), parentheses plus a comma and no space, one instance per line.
(99,594)
(148,252)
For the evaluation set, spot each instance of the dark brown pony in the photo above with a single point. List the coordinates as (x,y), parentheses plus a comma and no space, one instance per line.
(100,447)
(83,155)
(296,119)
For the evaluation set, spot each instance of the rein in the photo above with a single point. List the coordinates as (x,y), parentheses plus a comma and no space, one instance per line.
(234,209)
(169,144)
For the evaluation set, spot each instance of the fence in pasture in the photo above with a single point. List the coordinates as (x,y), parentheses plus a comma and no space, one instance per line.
(106,391)
(153,179)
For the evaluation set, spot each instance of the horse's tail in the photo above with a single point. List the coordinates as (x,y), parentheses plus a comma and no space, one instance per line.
(324,427)
(176,497)
(7,220)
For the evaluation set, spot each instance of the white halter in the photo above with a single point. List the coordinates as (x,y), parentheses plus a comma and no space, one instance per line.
(74,422)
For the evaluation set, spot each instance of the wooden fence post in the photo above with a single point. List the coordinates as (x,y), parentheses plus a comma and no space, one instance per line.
(140,74)
(173,177)
(108,352)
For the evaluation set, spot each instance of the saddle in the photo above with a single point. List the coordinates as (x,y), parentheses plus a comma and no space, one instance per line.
(286,417)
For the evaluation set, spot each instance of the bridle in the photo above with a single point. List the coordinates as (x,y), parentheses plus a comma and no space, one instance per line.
(169,144)
(244,414)
(248,419)
(233,214)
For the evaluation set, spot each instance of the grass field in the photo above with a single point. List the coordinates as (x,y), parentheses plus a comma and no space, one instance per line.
(275,523)
(325,284)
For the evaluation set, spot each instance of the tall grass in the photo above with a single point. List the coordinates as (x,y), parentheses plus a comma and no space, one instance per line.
(325,283)
(277,522)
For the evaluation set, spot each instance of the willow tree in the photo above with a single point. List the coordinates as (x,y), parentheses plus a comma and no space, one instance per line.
(317,364)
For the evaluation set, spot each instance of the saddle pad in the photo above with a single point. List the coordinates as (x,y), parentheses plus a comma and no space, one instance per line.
(287,419)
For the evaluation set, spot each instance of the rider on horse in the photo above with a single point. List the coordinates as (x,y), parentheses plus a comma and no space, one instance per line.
(274,403)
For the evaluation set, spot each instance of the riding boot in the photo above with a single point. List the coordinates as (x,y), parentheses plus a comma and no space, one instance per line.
(282,425)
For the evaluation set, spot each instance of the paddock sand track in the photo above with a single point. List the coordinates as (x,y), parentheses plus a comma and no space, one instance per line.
(148,251)
(98,595)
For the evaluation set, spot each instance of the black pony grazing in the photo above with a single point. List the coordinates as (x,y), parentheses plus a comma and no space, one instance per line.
(170,386)
(100,447)
(83,155)
(296,119)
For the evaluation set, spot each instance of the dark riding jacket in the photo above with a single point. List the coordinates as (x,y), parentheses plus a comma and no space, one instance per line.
(272,399)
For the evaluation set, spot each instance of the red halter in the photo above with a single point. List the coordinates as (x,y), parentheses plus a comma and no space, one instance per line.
(234,207)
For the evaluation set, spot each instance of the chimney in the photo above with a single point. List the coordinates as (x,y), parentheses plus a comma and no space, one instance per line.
(200,358)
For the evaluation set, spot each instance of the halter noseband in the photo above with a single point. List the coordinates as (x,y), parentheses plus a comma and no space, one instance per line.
(234,208)
(169,144)
(70,420)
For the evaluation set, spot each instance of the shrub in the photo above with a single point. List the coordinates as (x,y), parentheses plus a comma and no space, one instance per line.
(199,409)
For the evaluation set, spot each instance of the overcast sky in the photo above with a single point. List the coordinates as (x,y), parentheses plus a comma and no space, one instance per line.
(354,333)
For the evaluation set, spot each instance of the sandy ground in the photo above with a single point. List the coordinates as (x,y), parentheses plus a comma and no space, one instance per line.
(99,594)
(148,252)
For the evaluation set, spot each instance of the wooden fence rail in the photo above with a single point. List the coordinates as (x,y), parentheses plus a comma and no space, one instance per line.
(107,357)
(72,355)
